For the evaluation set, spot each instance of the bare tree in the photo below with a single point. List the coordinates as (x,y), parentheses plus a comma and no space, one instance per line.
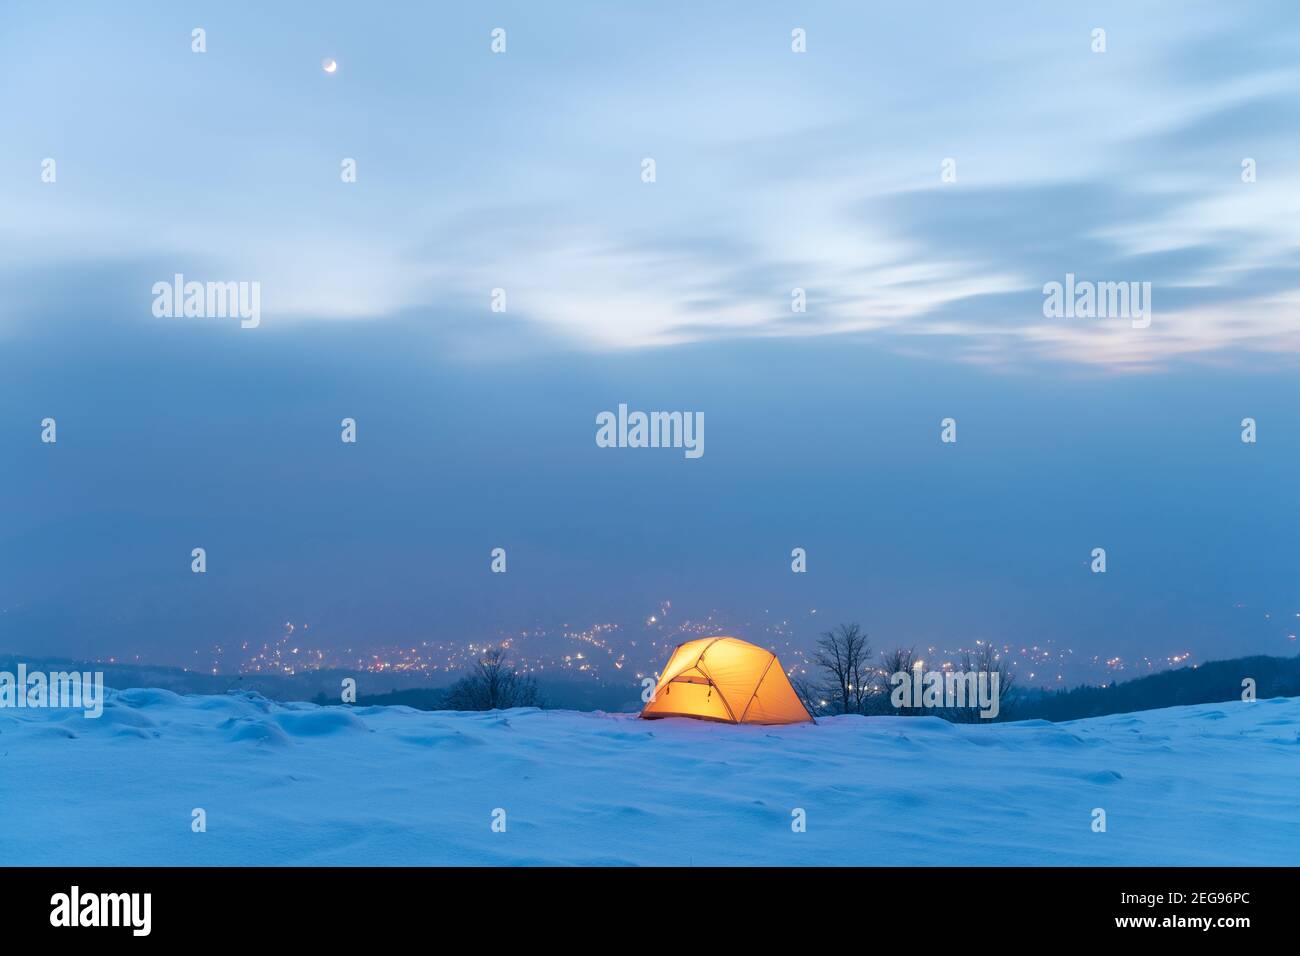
(845,655)
(984,661)
(492,684)
(897,661)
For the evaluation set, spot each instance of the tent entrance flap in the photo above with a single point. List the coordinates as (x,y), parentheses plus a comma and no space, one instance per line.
(688,699)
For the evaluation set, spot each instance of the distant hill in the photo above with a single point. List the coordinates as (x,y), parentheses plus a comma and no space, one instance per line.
(555,694)
(421,698)
(1208,683)
(324,686)
(1211,682)
(304,685)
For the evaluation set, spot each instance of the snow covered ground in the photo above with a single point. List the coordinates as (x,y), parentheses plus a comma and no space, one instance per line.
(296,783)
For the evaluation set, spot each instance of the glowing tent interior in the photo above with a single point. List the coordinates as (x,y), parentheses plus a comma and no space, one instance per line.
(726,679)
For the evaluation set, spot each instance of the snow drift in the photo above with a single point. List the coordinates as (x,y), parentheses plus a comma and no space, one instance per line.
(301,784)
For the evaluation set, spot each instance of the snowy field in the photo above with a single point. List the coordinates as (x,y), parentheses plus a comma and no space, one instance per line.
(300,784)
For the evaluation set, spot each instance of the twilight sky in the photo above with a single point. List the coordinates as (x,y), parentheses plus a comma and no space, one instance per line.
(775,170)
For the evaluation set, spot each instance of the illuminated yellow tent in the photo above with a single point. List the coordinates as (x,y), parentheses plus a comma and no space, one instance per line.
(722,678)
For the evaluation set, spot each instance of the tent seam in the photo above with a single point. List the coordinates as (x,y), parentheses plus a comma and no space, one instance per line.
(756,687)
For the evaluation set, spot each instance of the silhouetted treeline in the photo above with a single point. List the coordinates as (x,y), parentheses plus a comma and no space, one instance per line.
(846,682)
(1208,683)
(421,698)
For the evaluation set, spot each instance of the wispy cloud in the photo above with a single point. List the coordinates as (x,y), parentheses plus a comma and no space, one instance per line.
(776,170)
